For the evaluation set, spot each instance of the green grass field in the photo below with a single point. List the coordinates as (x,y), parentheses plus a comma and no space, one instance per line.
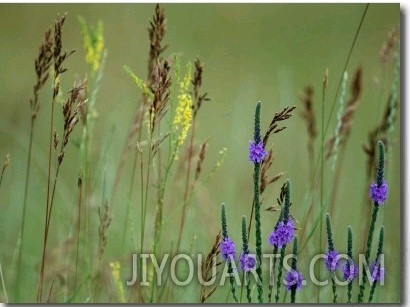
(156,162)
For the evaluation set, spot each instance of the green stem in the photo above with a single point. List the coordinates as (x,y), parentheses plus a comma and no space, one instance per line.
(232,281)
(378,264)
(330,247)
(294,268)
(224,236)
(23,215)
(142,202)
(280,269)
(256,204)
(275,251)
(147,185)
(322,169)
(185,204)
(271,274)
(258,231)
(80,190)
(368,250)
(334,288)
(245,249)
(43,258)
(84,166)
(129,200)
(350,256)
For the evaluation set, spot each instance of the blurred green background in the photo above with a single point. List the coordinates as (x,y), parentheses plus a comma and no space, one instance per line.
(251,52)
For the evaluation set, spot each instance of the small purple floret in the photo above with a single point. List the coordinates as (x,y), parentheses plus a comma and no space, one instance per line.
(227,249)
(283,234)
(379,193)
(377,271)
(256,152)
(247,261)
(332,260)
(293,280)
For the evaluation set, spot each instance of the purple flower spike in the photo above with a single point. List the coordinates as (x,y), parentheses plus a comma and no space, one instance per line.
(293,279)
(227,249)
(332,260)
(247,261)
(377,271)
(379,193)
(283,234)
(256,152)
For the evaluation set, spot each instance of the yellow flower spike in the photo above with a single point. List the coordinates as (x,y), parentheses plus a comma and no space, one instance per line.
(115,272)
(183,114)
(187,79)
(93,43)
(139,82)
(99,46)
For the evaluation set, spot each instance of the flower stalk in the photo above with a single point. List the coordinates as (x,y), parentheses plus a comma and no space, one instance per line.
(376,204)
(228,252)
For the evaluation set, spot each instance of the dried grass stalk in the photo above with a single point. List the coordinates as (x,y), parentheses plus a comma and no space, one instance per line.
(264,176)
(347,117)
(156,31)
(160,88)
(42,65)
(274,125)
(387,51)
(5,164)
(309,116)
(380,132)
(207,268)
(197,83)
(201,158)
(105,222)
(71,113)
(58,55)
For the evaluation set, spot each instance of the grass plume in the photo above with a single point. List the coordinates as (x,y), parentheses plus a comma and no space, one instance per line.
(273,128)
(207,269)
(3,169)
(59,57)
(344,129)
(336,145)
(308,115)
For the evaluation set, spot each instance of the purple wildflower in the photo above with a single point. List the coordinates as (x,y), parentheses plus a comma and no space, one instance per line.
(283,234)
(379,193)
(247,261)
(332,260)
(377,271)
(227,249)
(256,152)
(350,273)
(293,279)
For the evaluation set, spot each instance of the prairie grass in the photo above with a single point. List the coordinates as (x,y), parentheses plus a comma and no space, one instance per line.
(117,156)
